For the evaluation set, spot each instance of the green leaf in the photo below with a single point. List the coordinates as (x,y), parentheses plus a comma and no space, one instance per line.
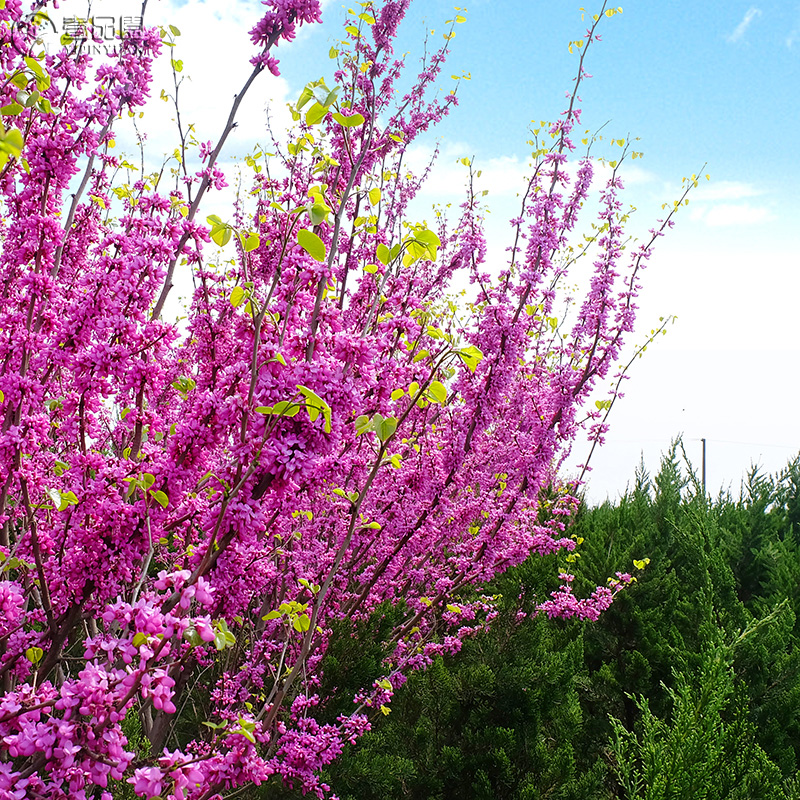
(318,213)
(34,654)
(314,405)
(371,268)
(301,623)
(384,426)
(311,243)
(437,392)
(67,499)
(363,424)
(374,196)
(251,242)
(2,396)
(352,121)
(283,408)
(174,31)
(34,66)
(453,609)
(139,639)
(221,235)
(11,110)
(428,237)
(316,114)
(471,357)
(420,355)
(237,296)
(271,615)
(397,394)
(160,498)
(382,254)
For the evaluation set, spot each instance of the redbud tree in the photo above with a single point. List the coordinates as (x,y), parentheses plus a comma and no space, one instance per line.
(188,509)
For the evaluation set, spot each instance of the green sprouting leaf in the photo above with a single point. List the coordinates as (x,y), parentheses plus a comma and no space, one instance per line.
(301,623)
(437,392)
(271,615)
(353,31)
(427,237)
(251,242)
(333,52)
(382,254)
(314,405)
(453,609)
(420,355)
(160,498)
(385,710)
(384,426)
(65,499)
(34,66)
(11,110)
(316,114)
(318,213)
(139,639)
(247,734)
(34,654)
(283,408)
(311,243)
(221,235)
(177,65)
(371,268)
(374,196)
(2,396)
(174,31)
(471,357)
(237,296)
(363,424)
(352,121)
(397,394)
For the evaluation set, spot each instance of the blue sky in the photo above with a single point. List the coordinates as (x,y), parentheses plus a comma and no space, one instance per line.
(712,82)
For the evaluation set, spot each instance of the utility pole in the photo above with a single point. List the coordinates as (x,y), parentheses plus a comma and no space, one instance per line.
(704,466)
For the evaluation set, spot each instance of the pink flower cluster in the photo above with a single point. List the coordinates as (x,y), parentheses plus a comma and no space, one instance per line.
(189,513)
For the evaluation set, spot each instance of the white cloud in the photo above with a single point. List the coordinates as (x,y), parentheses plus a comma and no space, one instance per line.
(742,27)
(725,190)
(732,214)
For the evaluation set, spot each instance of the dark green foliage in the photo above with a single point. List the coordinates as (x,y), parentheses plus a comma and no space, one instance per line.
(707,748)
(688,687)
